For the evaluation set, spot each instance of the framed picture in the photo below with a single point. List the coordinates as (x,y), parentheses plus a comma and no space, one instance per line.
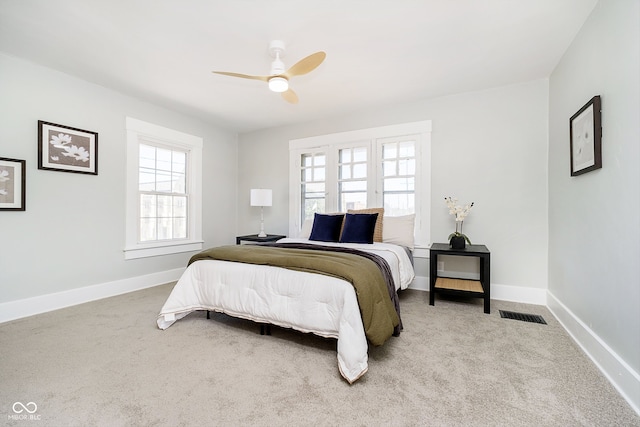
(585,129)
(67,149)
(12,184)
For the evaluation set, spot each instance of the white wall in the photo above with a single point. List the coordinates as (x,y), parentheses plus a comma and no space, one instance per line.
(489,147)
(594,219)
(71,235)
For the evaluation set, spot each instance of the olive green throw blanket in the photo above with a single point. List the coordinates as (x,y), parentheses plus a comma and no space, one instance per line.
(379,315)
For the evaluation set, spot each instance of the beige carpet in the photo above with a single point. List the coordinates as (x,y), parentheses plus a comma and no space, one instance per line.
(106,363)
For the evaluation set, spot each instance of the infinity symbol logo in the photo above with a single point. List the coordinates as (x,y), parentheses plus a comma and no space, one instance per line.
(22,407)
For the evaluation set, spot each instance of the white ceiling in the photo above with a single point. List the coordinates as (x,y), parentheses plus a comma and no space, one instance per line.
(379,52)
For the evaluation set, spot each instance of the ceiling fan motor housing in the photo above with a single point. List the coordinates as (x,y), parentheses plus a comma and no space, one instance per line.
(277,67)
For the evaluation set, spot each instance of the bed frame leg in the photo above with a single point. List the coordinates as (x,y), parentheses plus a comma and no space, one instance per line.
(265,328)
(208,317)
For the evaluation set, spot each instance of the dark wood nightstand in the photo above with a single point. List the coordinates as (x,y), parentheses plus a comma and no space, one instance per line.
(255,239)
(446,285)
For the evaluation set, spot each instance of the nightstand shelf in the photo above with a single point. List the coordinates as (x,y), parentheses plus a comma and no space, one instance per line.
(463,285)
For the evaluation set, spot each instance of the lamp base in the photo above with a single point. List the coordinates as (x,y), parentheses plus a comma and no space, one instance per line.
(262,233)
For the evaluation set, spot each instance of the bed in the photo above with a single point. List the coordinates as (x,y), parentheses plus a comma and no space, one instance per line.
(292,298)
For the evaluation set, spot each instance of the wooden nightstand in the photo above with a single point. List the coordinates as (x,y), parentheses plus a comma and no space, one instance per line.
(255,239)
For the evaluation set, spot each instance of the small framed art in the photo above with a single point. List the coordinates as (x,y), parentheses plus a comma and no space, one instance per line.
(585,129)
(67,149)
(12,184)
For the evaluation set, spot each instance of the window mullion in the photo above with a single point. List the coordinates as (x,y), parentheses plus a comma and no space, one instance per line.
(331,179)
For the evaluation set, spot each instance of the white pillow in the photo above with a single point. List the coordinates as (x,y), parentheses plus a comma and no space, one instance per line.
(307,225)
(399,230)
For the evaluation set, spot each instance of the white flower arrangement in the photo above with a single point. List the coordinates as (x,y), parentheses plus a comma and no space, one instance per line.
(460,212)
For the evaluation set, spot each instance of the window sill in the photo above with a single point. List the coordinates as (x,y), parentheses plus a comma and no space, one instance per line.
(147,251)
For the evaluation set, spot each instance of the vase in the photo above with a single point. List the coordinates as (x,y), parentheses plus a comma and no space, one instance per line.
(457,242)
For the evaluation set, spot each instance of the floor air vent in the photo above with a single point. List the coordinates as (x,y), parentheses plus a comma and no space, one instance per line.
(533,318)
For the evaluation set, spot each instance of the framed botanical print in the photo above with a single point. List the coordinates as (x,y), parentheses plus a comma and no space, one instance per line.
(67,149)
(12,184)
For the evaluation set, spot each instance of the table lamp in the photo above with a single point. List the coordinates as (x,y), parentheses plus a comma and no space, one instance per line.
(261,197)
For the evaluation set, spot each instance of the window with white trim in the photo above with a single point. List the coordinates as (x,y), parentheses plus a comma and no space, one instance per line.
(387,166)
(163,191)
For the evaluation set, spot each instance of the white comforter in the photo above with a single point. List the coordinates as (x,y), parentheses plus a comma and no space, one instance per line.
(307,302)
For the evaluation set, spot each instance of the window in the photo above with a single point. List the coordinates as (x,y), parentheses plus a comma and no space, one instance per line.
(163,191)
(386,166)
(398,159)
(312,183)
(352,178)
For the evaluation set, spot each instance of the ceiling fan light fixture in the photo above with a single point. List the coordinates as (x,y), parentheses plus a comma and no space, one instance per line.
(278,78)
(278,84)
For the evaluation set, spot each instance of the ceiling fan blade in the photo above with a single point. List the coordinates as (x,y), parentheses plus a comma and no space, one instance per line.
(306,65)
(290,96)
(244,76)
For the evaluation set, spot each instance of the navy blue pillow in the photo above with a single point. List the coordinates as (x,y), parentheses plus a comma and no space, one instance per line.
(359,228)
(326,228)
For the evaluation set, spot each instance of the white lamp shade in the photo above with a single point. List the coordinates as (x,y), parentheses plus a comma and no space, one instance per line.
(260,197)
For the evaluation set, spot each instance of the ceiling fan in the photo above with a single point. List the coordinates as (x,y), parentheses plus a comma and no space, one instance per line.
(278,79)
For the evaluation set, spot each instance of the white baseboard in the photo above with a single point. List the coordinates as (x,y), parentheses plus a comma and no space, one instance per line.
(420,283)
(498,292)
(524,294)
(617,371)
(41,304)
